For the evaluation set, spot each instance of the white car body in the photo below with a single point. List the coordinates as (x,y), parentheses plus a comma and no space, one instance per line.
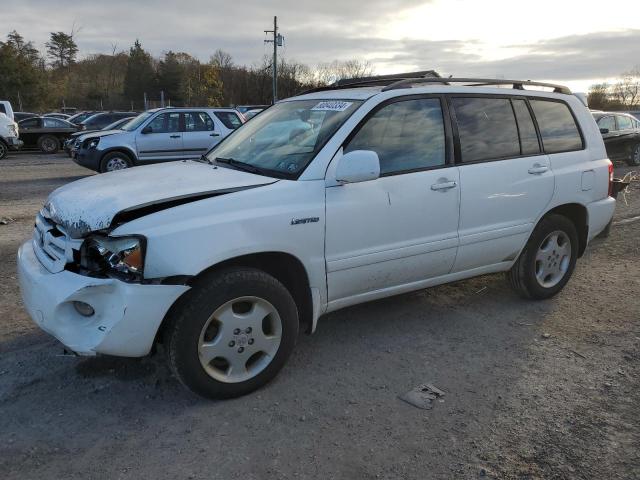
(354,242)
(6,108)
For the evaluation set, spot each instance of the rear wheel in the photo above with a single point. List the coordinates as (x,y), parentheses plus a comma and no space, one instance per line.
(634,157)
(548,260)
(232,333)
(115,161)
(48,144)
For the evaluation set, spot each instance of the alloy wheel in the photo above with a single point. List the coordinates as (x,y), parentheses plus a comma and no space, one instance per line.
(553,259)
(240,339)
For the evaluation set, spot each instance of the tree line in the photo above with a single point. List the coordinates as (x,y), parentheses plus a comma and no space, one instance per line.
(42,81)
(623,94)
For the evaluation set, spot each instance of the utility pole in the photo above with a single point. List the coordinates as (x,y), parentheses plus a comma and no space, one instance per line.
(277,42)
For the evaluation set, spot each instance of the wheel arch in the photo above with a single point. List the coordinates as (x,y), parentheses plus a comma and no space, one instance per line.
(285,267)
(579,216)
(126,150)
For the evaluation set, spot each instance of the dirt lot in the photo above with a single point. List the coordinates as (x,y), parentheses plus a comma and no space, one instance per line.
(532,389)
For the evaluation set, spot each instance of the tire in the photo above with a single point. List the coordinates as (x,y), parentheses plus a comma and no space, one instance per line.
(48,144)
(3,150)
(544,267)
(114,161)
(239,313)
(634,156)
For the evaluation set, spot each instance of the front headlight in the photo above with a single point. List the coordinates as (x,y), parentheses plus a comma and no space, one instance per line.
(93,143)
(122,257)
(14,128)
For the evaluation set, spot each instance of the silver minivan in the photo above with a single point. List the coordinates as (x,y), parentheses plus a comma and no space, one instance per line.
(158,135)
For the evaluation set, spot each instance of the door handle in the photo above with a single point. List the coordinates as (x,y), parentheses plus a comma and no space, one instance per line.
(443,186)
(537,169)
(174,136)
(214,134)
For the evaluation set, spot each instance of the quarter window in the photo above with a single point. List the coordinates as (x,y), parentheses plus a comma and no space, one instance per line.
(165,123)
(229,119)
(528,137)
(406,135)
(197,122)
(487,128)
(557,126)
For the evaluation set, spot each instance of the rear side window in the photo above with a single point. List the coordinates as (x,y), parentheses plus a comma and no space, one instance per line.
(624,123)
(557,126)
(407,135)
(229,119)
(2,109)
(528,137)
(197,122)
(487,128)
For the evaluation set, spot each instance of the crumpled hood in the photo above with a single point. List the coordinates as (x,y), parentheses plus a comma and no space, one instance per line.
(92,203)
(94,133)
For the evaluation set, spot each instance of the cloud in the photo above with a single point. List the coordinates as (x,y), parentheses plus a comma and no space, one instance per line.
(315,32)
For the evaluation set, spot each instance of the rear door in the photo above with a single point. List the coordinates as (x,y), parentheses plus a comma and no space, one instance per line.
(506,180)
(162,140)
(610,136)
(200,134)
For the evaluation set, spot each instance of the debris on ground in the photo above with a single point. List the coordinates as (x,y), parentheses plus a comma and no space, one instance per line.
(546,335)
(422,396)
(6,220)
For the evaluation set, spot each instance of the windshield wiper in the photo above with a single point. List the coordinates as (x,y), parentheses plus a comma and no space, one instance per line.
(247,167)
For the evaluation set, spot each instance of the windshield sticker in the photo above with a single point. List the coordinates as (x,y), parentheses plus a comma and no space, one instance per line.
(333,106)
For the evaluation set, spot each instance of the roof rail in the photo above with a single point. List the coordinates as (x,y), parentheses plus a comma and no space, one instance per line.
(476,82)
(373,81)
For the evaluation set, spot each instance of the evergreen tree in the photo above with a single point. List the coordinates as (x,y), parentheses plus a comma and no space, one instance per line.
(62,49)
(140,77)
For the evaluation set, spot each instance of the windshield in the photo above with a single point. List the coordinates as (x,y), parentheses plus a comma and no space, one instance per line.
(136,122)
(283,139)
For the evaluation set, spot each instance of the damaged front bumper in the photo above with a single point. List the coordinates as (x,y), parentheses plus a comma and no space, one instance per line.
(126,316)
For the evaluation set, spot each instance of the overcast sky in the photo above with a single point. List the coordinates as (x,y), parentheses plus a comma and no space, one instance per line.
(568,41)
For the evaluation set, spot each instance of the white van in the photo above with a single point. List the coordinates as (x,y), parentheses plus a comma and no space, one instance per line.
(329,199)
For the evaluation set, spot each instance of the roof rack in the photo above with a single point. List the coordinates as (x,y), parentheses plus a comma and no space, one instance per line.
(476,82)
(374,81)
(394,82)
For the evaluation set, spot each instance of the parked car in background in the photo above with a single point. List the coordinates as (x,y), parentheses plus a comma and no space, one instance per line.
(19,116)
(8,135)
(100,120)
(159,135)
(621,135)
(245,108)
(75,139)
(46,134)
(635,113)
(7,109)
(61,116)
(80,116)
(376,191)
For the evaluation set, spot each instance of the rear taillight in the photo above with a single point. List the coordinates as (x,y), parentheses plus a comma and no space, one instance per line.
(610,178)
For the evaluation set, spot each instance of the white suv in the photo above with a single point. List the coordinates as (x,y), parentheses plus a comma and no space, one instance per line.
(329,199)
(158,135)
(8,135)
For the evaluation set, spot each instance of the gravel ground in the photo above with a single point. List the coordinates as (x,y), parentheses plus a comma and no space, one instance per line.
(532,389)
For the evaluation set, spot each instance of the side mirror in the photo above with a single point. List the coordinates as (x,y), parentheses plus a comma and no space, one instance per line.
(604,130)
(358,166)
(146,130)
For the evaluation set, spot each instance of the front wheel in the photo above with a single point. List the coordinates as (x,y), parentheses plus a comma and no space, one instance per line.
(547,261)
(232,333)
(3,150)
(115,161)
(634,157)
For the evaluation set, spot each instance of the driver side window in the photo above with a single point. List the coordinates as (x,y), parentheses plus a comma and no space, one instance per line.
(165,123)
(407,135)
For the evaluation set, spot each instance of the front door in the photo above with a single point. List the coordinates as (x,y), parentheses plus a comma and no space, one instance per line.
(387,235)
(162,139)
